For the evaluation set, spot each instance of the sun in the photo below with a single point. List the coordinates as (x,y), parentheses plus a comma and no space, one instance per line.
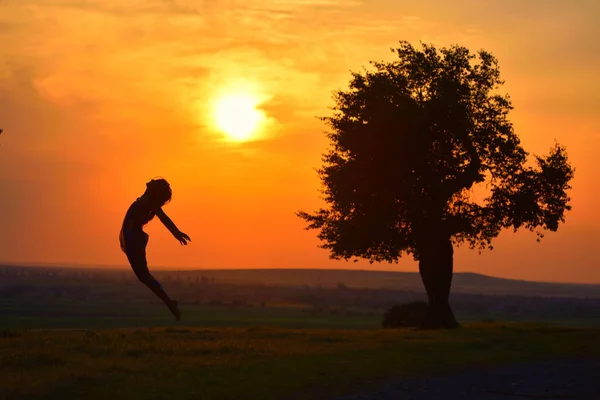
(237,116)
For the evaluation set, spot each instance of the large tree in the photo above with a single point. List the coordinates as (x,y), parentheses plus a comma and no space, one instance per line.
(414,144)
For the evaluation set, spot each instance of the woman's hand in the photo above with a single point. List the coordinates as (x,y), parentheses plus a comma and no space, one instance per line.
(183,238)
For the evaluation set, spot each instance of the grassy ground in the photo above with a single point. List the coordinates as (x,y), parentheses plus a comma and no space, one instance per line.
(258,363)
(63,313)
(156,315)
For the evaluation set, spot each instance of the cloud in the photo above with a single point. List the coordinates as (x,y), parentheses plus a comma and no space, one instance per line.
(84,49)
(120,60)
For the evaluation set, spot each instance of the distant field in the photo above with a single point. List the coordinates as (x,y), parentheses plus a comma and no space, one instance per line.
(469,283)
(93,298)
(258,363)
(461,283)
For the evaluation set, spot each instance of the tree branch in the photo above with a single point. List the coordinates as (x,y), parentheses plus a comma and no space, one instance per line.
(471,174)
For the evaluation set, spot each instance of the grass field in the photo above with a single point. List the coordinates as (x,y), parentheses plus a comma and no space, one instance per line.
(258,363)
(69,314)
(156,315)
(62,337)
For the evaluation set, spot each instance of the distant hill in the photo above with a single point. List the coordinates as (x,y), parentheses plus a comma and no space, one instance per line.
(463,283)
(470,283)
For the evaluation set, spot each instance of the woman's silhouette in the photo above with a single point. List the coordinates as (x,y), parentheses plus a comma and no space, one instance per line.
(133,239)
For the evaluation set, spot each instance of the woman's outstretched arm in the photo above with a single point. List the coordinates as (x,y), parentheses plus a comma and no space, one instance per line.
(170,225)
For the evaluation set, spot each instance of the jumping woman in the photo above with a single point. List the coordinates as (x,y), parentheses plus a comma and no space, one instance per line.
(133,239)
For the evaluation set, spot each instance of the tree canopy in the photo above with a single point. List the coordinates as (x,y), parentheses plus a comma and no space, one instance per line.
(411,140)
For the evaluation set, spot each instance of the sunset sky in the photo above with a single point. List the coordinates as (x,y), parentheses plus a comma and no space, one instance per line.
(99,96)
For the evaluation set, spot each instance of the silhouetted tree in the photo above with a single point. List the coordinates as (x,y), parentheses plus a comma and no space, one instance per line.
(410,140)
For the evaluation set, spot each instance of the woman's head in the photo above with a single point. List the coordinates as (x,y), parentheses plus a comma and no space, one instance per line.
(159,191)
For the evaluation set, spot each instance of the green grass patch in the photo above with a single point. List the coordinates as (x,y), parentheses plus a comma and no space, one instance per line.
(259,363)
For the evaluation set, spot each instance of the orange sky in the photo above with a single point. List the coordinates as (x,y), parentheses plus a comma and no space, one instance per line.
(98,96)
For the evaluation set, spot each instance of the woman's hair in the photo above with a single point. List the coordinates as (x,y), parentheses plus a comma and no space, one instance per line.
(159,191)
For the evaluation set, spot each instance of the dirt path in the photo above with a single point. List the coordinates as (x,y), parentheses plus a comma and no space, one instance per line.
(549,380)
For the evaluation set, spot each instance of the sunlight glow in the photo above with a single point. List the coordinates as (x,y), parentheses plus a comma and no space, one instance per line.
(237,117)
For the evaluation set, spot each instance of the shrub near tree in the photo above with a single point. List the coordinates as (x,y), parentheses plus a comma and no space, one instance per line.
(412,140)
(405,315)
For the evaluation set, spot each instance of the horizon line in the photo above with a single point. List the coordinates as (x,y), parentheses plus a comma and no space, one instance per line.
(190,269)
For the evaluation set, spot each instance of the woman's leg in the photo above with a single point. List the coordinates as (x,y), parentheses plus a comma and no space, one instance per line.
(148,280)
(138,262)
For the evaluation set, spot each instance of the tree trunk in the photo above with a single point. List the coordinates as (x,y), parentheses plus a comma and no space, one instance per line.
(436,268)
